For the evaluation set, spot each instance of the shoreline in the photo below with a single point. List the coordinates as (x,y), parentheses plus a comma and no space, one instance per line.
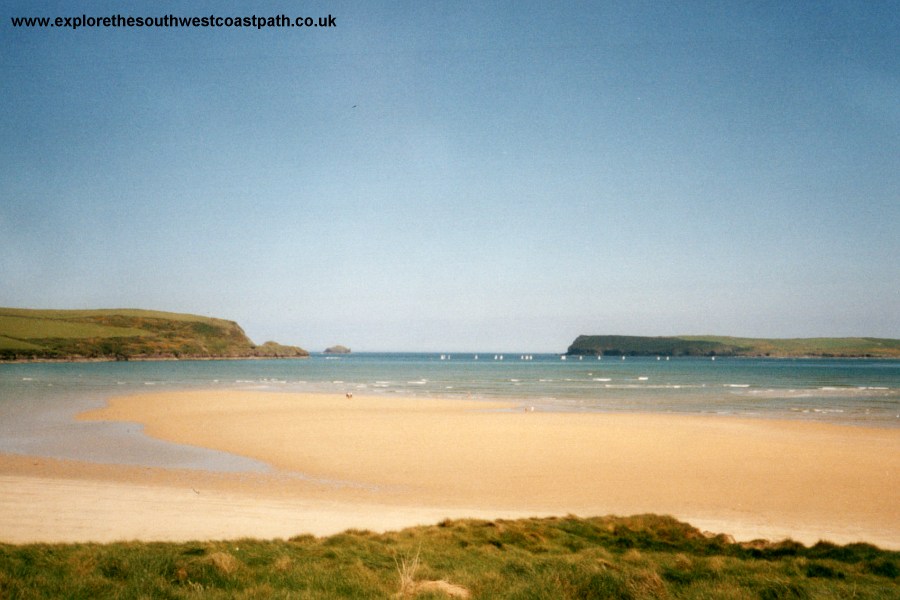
(381,463)
(113,359)
(145,358)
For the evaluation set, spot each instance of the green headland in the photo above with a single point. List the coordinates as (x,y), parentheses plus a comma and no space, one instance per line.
(126,334)
(691,345)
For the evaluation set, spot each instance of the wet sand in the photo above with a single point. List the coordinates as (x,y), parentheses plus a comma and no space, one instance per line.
(384,463)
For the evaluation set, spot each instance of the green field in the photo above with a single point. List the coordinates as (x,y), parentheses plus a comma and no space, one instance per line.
(25,328)
(123,334)
(691,345)
(555,559)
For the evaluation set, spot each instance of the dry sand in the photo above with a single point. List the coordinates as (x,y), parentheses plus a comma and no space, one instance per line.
(385,463)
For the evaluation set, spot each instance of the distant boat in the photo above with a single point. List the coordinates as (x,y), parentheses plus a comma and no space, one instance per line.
(563,357)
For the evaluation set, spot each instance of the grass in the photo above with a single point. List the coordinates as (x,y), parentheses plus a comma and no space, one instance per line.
(103,312)
(7,343)
(558,558)
(731,346)
(124,334)
(30,328)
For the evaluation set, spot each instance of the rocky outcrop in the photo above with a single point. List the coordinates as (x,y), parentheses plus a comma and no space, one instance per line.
(337,350)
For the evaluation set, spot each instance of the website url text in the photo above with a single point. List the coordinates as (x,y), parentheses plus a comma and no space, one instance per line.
(250,22)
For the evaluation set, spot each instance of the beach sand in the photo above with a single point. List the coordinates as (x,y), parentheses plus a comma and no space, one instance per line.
(384,463)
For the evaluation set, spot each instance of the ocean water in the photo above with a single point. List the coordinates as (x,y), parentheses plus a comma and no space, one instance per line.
(38,401)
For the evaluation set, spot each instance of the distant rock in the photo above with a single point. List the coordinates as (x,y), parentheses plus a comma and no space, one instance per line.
(337,350)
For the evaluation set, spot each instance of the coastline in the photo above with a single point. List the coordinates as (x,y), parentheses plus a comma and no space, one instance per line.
(381,463)
(149,358)
(112,359)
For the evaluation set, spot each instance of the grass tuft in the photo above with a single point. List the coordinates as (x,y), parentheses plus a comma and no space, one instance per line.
(641,557)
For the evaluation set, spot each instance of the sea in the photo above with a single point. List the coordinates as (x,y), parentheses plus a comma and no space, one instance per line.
(39,401)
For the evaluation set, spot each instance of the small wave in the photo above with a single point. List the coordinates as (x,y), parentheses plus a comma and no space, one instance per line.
(643,378)
(737,385)
(28,379)
(602,379)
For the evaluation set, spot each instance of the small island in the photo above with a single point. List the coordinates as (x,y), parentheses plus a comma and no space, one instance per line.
(337,350)
(126,334)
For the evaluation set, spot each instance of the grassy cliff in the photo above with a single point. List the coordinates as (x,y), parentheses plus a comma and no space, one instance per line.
(122,334)
(616,345)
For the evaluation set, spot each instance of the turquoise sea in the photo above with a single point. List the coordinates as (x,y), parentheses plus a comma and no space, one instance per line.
(38,401)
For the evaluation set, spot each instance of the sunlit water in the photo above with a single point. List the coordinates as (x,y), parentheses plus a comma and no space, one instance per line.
(38,401)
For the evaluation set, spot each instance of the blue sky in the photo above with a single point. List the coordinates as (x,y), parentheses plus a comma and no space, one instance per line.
(461,176)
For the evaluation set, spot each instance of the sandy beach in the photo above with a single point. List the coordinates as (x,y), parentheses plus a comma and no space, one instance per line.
(384,463)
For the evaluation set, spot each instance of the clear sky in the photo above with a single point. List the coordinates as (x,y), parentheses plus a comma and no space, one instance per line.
(452,176)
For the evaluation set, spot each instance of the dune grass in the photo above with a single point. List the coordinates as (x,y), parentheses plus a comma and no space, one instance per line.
(558,558)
